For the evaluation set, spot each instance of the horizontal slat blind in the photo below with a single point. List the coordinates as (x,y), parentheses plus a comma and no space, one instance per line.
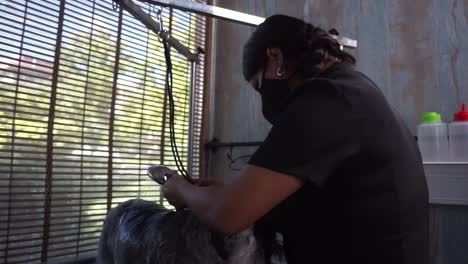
(81,129)
(27,52)
(109,119)
(197,37)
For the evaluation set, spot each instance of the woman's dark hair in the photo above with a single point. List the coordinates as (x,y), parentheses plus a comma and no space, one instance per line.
(301,43)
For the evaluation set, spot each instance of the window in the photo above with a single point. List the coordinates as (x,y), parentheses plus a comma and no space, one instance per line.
(82,114)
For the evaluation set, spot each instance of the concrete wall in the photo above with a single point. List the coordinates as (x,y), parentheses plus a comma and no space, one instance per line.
(417,51)
(449,234)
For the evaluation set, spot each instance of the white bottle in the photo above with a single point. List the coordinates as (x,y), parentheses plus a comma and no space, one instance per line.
(433,138)
(458,136)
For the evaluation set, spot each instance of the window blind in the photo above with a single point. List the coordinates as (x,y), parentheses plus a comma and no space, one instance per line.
(82,114)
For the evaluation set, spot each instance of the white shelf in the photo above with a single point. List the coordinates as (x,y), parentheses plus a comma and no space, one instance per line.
(446,163)
(447,182)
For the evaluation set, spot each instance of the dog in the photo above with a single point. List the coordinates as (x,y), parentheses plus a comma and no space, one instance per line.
(140,231)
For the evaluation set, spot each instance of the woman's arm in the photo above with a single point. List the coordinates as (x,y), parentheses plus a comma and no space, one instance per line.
(235,206)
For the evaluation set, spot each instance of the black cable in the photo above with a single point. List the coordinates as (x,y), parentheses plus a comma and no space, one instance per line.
(169,83)
(232,160)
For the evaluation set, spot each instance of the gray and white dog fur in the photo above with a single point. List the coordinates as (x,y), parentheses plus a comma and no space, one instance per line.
(139,231)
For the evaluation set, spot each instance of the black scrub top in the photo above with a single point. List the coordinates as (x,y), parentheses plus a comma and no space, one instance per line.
(364,198)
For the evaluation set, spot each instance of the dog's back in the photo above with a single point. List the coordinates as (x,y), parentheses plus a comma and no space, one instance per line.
(130,231)
(139,231)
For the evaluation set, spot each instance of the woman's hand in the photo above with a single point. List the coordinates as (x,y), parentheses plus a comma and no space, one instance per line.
(171,190)
(174,184)
(203,182)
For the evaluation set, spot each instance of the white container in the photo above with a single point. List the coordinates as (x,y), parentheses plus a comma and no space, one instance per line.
(433,141)
(458,136)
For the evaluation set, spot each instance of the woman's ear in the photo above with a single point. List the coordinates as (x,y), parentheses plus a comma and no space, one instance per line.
(275,63)
(275,56)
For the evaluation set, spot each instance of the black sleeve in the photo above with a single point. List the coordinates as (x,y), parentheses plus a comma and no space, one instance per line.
(314,134)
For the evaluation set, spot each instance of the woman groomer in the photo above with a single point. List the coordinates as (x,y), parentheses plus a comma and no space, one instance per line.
(339,175)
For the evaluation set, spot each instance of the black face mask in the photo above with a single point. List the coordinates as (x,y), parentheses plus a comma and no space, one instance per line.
(274,94)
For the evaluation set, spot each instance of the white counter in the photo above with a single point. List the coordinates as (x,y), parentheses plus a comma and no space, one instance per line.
(447,182)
